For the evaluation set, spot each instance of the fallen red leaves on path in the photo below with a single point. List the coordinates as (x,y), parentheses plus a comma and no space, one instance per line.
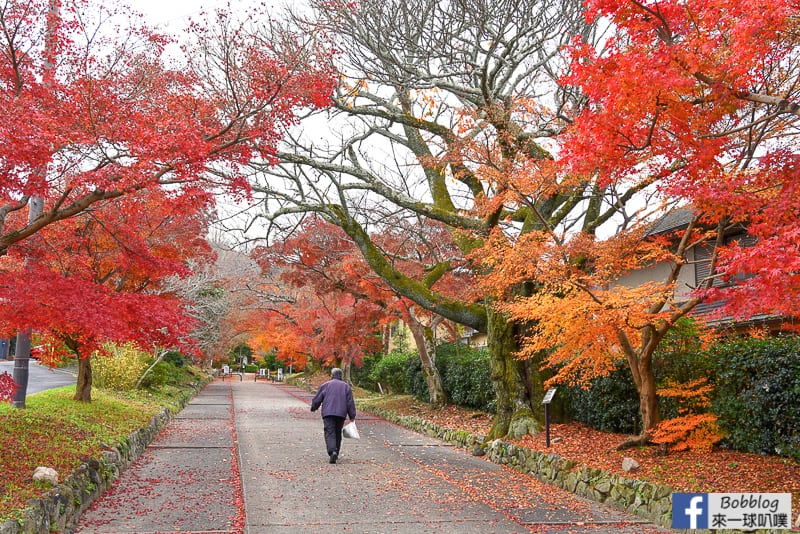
(720,470)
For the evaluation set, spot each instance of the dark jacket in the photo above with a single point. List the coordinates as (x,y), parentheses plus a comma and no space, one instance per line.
(336,398)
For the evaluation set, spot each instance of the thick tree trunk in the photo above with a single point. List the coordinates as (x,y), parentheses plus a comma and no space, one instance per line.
(648,399)
(423,338)
(517,413)
(346,368)
(645,380)
(83,388)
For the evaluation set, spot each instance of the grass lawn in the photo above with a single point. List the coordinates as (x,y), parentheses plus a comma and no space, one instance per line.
(56,431)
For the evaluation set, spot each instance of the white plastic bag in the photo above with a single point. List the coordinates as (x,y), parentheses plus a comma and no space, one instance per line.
(350,431)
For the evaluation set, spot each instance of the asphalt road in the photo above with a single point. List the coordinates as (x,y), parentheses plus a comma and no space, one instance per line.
(41,377)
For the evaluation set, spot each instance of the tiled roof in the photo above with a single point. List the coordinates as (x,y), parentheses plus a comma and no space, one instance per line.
(675,219)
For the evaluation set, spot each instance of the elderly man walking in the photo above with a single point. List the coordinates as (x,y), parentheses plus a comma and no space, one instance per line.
(336,398)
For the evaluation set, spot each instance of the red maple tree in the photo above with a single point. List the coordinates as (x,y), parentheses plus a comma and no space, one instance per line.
(92,114)
(97,279)
(703,98)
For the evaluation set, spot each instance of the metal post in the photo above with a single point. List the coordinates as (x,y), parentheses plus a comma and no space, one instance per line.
(547,424)
(548,397)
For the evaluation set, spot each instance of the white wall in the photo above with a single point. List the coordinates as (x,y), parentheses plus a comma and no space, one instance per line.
(659,273)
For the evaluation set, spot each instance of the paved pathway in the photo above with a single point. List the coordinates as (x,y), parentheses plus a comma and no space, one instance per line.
(249,457)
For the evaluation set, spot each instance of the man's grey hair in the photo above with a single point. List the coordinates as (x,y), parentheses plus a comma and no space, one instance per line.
(336,373)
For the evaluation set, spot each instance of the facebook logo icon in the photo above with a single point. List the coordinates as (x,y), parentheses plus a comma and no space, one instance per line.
(690,510)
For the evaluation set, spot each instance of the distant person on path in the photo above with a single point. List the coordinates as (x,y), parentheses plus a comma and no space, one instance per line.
(336,399)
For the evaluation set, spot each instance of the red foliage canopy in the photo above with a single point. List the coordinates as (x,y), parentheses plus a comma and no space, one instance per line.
(91,113)
(96,278)
(703,98)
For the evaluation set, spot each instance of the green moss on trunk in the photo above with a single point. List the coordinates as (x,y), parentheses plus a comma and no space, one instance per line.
(513,382)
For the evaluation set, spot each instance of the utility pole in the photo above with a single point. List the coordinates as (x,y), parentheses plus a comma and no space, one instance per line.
(22,355)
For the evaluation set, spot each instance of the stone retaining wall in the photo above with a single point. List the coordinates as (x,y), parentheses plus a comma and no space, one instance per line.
(58,510)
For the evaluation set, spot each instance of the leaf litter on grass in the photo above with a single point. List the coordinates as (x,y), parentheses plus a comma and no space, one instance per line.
(58,432)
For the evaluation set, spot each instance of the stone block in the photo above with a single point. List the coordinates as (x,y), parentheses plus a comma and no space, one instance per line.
(629,465)
(45,474)
(603,486)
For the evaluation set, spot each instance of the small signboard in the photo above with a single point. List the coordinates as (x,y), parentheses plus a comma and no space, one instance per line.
(548,396)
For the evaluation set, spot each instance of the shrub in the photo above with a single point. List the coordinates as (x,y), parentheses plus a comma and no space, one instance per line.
(610,404)
(466,377)
(167,373)
(757,394)
(176,359)
(360,375)
(680,359)
(158,376)
(390,371)
(694,428)
(118,367)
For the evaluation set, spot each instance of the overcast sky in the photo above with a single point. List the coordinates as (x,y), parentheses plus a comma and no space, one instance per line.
(173,14)
(170,17)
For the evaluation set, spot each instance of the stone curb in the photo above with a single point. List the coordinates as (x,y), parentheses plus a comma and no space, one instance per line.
(59,509)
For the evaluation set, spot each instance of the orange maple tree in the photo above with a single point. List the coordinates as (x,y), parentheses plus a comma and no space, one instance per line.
(694,103)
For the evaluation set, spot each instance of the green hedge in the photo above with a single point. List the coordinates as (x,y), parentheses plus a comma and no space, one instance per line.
(610,404)
(466,377)
(390,371)
(464,372)
(415,380)
(361,375)
(757,395)
(756,387)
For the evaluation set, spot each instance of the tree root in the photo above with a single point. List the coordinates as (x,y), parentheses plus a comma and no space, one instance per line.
(636,441)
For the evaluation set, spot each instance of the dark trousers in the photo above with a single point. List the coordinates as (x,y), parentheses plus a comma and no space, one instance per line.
(333,433)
